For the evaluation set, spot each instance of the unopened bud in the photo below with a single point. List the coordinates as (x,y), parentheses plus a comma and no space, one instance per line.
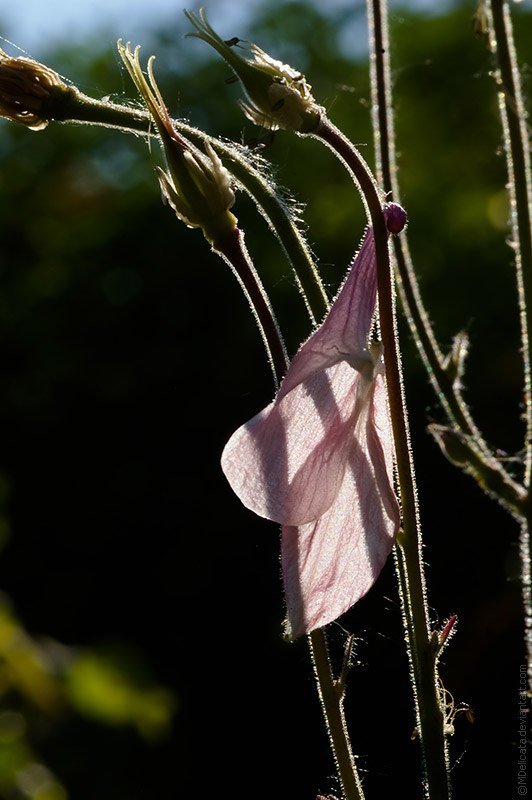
(277,96)
(26,88)
(455,445)
(395,217)
(197,185)
(441,638)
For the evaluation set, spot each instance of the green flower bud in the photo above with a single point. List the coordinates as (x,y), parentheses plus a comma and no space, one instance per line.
(277,96)
(197,185)
(26,89)
(454,444)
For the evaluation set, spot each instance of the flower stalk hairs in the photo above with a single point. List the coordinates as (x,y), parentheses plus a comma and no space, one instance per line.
(319,458)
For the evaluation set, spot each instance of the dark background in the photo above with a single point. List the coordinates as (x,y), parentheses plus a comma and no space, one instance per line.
(127,358)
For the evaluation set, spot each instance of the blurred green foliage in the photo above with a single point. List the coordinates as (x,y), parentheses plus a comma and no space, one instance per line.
(40,681)
(128,356)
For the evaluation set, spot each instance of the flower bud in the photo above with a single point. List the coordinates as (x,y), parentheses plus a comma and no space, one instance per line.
(197,186)
(26,88)
(454,444)
(440,639)
(395,217)
(277,96)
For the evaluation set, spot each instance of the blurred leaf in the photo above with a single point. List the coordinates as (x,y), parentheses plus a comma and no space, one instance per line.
(24,667)
(97,689)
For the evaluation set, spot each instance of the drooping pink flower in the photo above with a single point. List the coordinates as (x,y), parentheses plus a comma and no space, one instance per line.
(319,458)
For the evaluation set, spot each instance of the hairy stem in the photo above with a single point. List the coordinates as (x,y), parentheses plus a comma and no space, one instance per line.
(331,696)
(446,384)
(330,692)
(75,107)
(517,146)
(234,252)
(423,659)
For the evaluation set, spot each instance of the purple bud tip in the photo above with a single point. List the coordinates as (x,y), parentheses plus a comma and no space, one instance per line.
(395,217)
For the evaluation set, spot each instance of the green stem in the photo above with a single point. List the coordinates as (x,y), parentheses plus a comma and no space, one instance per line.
(478,460)
(71,105)
(517,146)
(277,214)
(516,142)
(331,696)
(423,658)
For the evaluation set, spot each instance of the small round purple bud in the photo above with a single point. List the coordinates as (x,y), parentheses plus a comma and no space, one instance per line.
(395,217)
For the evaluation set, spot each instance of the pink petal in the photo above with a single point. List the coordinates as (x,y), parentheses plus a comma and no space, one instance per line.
(328,565)
(288,462)
(343,335)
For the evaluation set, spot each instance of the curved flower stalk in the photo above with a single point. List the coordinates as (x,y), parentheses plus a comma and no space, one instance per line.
(319,458)
(277,95)
(251,175)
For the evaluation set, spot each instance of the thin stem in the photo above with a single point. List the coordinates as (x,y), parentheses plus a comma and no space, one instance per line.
(331,696)
(423,660)
(516,142)
(386,171)
(513,117)
(279,217)
(526,585)
(233,250)
(74,106)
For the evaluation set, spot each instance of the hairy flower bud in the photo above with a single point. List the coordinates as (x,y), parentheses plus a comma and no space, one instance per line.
(454,444)
(26,88)
(277,96)
(197,185)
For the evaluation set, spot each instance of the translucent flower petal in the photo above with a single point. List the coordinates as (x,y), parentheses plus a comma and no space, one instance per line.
(343,335)
(328,565)
(319,459)
(287,464)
